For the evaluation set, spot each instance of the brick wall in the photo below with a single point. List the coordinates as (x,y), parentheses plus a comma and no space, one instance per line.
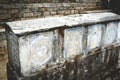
(26,9)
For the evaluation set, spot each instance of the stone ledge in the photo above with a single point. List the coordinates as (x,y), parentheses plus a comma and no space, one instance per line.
(44,24)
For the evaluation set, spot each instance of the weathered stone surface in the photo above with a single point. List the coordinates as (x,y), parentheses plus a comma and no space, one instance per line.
(43,24)
(110,33)
(29,53)
(41,48)
(13,50)
(35,50)
(94,36)
(58,44)
(73,38)
(24,55)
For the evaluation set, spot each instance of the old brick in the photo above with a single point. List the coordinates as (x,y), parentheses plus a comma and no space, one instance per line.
(67,12)
(66,4)
(5,16)
(1,57)
(52,8)
(49,4)
(37,14)
(34,9)
(111,31)
(61,12)
(12,11)
(47,13)
(26,11)
(5,6)
(77,8)
(35,5)
(27,14)
(76,11)
(3,11)
(53,13)
(42,9)
(94,34)
(58,4)
(72,11)
(22,7)
(71,38)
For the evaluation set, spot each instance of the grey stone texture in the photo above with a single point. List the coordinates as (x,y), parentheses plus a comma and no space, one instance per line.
(73,42)
(74,47)
(13,49)
(110,33)
(94,36)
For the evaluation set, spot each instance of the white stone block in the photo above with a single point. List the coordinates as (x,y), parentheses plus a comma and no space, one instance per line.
(110,36)
(41,48)
(73,42)
(94,36)
(30,52)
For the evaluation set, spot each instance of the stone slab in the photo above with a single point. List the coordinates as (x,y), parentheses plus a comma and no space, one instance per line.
(41,48)
(94,36)
(35,51)
(43,24)
(110,35)
(73,40)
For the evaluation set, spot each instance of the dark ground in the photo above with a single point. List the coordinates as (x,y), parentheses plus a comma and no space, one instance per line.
(115,75)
